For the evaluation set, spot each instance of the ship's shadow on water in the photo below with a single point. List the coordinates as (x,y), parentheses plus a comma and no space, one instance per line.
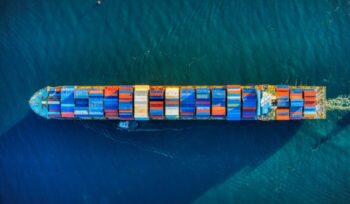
(162,162)
(341,124)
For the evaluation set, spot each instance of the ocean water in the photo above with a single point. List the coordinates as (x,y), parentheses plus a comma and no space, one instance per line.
(44,42)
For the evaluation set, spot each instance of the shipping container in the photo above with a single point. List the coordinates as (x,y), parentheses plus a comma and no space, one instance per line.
(249,99)
(282,93)
(81,96)
(187,103)
(172,103)
(218,102)
(282,114)
(67,102)
(111,102)
(296,104)
(96,103)
(54,104)
(203,103)
(141,102)
(156,102)
(233,102)
(126,93)
(310,103)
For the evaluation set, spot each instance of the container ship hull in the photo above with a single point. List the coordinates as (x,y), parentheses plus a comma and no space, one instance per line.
(144,102)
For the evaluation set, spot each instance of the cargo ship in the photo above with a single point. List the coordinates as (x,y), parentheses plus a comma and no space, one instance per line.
(144,102)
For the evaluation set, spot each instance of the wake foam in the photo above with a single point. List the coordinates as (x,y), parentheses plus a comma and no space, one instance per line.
(341,103)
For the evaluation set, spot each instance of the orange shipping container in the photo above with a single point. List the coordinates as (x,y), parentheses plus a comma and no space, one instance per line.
(310,99)
(172,102)
(282,117)
(309,93)
(282,89)
(282,94)
(296,96)
(282,110)
(309,115)
(111,90)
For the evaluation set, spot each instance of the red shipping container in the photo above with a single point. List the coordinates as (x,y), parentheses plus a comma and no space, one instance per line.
(309,93)
(111,91)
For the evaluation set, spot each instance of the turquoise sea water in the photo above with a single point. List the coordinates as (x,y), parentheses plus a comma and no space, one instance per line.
(45,42)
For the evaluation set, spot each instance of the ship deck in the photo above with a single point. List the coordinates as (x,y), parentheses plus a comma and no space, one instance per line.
(144,102)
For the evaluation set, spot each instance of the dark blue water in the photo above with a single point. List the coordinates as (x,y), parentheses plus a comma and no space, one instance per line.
(173,42)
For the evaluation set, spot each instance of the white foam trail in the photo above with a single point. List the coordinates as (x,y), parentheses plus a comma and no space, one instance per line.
(341,103)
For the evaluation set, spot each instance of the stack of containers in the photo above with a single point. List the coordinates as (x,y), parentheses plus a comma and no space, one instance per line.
(202,103)
(96,103)
(282,114)
(310,103)
(233,102)
(67,102)
(282,94)
(296,104)
(54,110)
(172,103)
(218,102)
(265,103)
(126,102)
(249,103)
(110,102)
(141,102)
(156,102)
(81,96)
(187,103)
